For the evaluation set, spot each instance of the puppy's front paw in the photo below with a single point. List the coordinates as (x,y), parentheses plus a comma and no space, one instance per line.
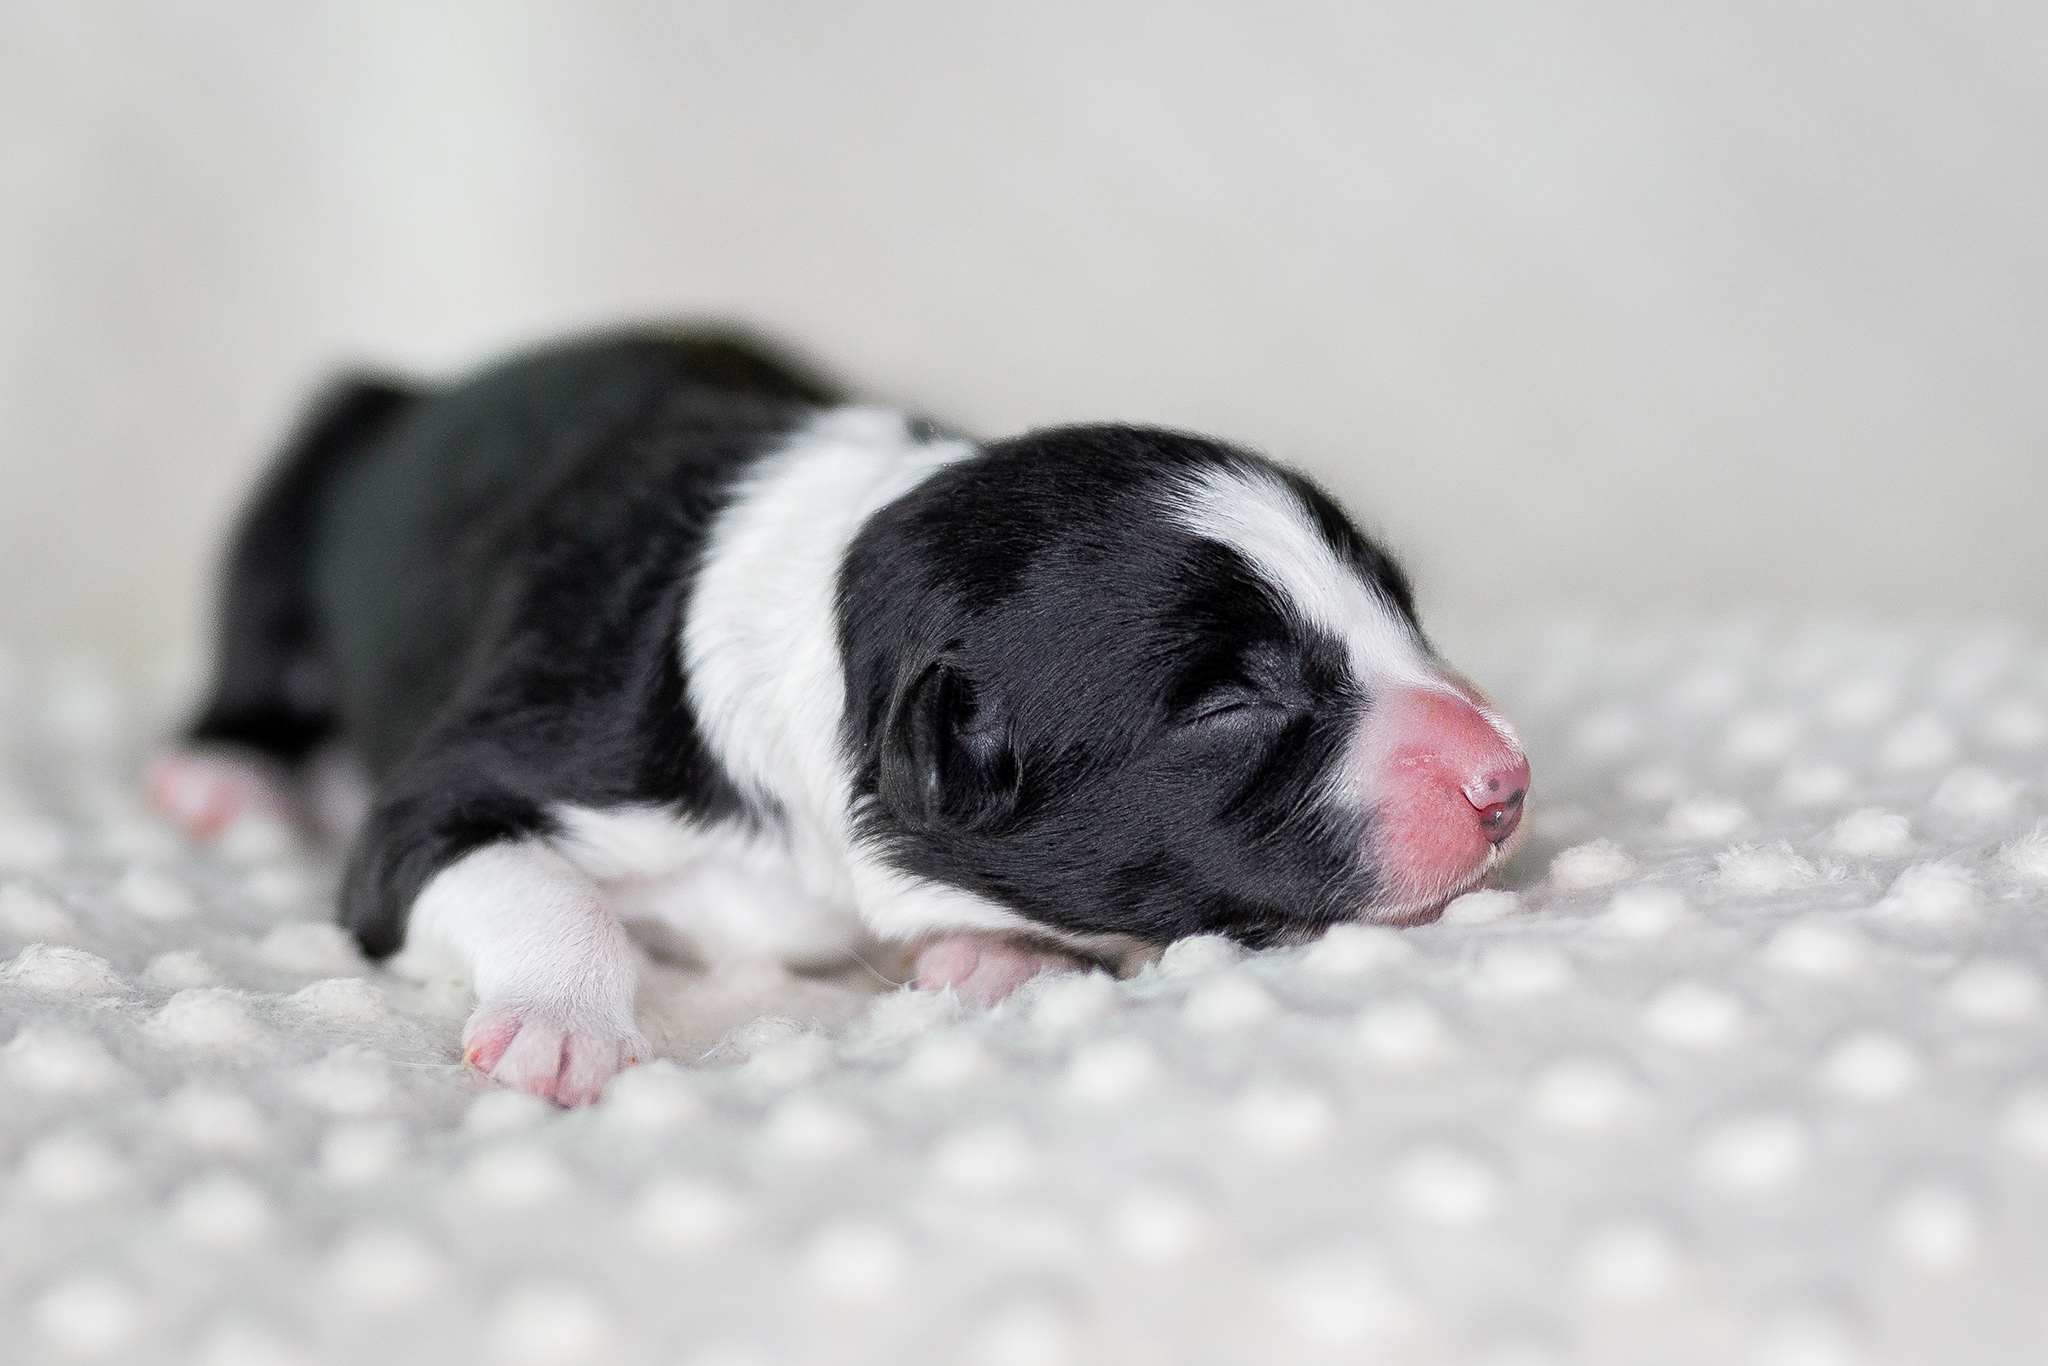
(985,968)
(540,1052)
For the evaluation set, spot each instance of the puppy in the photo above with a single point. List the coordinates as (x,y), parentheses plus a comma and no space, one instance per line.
(660,626)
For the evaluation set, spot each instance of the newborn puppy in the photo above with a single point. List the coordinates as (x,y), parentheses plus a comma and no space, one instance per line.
(657,626)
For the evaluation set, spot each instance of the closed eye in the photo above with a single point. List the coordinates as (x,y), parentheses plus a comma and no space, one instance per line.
(1236,706)
(1259,686)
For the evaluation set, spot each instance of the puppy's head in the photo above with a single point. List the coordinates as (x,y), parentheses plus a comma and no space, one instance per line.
(1133,682)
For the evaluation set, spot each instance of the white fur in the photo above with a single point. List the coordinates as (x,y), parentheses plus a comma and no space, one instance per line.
(732,891)
(760,644)
(729,890)
(1265,521)
(761,652)
(534,932)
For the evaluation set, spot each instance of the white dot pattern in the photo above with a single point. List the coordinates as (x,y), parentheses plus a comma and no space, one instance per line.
(1742,1061)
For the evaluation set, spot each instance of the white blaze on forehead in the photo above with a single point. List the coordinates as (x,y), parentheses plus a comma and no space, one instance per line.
(1256,514)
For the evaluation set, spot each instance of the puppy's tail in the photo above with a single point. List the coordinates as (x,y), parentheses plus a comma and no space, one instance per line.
(273,686)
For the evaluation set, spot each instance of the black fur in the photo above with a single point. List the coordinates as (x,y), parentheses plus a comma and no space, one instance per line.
(494,578)
(273,689)
(1055,697)
(1070,706)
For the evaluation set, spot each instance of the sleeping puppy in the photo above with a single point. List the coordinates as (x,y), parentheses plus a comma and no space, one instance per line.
(658,626)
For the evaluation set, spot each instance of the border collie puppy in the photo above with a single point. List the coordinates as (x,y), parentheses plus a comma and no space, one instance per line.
(658,626)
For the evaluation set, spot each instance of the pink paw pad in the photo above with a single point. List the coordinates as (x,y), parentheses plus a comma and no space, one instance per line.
(985,969)
(537,1053)
(204,793)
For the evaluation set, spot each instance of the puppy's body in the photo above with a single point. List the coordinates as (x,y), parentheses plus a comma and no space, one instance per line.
(658,627)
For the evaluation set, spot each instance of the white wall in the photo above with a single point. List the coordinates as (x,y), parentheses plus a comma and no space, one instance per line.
(1611,303)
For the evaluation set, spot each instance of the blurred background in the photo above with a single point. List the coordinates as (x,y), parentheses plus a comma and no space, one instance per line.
(1605,305)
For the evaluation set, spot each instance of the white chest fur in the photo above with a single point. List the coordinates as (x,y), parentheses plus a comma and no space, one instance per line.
(729,891)
(761,650)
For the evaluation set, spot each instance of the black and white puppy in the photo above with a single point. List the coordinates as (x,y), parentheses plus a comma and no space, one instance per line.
(659,626)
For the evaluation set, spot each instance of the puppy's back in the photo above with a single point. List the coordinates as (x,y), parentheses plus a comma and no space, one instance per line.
(425,532)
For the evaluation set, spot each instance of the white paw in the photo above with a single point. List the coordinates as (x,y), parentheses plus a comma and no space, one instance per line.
(205,790)
(984,969)
(535,1050)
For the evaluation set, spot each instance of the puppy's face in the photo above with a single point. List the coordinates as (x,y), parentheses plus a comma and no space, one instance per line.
(1152,686)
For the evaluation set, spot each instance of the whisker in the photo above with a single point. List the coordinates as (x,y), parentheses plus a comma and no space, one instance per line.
(876,972)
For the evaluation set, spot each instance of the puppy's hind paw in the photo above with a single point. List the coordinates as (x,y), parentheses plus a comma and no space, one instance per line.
(540,1053)
(204,790)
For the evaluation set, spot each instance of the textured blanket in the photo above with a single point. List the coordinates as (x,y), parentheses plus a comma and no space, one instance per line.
(1746,1062)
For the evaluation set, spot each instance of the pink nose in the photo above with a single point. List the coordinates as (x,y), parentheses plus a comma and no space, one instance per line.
(1497,793)
(1447,782)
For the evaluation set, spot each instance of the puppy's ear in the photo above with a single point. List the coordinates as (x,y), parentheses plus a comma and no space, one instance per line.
(946,760)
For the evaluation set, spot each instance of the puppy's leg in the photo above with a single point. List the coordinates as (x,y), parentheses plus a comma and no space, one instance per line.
(272,699)
(553,970)
(985,968)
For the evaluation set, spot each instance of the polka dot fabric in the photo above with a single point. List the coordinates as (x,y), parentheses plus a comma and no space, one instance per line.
(1746,1060)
